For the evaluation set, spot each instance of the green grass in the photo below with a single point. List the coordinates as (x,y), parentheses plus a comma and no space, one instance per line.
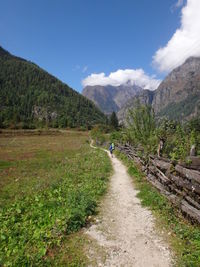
(183,237)
(47,196)
(5,164)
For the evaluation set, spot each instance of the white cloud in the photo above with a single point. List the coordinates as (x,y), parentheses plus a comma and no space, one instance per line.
(119,77)
(185,42)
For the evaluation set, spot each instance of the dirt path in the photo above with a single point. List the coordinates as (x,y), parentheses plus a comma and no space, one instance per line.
(124,231)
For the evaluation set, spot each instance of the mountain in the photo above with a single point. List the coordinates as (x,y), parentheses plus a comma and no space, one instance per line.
(145,97)
(177,97)
(31,97)
(111,98)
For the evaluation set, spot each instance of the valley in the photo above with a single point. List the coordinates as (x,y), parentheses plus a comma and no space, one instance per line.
(52,183)
(177,97)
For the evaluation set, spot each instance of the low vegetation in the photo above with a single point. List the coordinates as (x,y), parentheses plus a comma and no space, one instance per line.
(183,236)
(145,132)
(50,184)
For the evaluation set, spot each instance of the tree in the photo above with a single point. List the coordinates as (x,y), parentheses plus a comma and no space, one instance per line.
(114,121)
(28,94)
(141,124)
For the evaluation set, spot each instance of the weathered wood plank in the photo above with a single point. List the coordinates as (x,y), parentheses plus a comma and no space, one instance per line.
(159,174)
(190,174)
(174,199)
(157,184)
(192,212)
(185,184)
(161,164)
(195,163)
(192,202)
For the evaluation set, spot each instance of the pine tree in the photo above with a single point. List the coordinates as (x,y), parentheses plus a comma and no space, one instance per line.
(114,121)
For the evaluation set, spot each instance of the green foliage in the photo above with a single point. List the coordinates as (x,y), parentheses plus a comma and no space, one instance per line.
(115,136)
(181,145)
(5,164)
(165,128)
(193,124)
(99,134)
(184,237)
(114,121)
(33,224)
(32,98)
(141,126)
(178,138)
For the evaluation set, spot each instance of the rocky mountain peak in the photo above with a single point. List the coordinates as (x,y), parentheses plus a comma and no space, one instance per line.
(189,68)
(178,95)
(111,98)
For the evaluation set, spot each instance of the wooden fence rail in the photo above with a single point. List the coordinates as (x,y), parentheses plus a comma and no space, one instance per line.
(179,184)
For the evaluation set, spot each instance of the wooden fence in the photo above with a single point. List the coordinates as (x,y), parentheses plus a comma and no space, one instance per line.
(179,184)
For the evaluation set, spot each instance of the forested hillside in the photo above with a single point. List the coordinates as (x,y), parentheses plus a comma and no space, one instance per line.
(30,97)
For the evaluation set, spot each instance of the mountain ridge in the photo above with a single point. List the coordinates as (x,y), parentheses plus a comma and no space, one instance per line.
(178,95)
(110,98)
(31,97)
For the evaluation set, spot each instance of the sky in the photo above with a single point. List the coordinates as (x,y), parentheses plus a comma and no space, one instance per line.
(90,42)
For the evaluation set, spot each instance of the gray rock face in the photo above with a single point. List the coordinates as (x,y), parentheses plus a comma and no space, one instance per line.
(111,98)
(145,97)
(182,83)
(177,97)
(44,114)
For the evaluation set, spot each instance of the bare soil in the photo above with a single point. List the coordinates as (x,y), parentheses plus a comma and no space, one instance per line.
(124,233)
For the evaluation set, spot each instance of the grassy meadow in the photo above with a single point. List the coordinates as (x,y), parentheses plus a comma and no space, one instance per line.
(50,183)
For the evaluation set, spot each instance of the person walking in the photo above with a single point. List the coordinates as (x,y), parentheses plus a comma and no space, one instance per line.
(111,148)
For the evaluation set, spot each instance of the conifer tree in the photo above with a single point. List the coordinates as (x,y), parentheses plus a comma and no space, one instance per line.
(114,121)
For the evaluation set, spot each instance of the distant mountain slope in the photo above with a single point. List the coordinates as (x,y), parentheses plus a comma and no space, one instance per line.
(177,97)
(145,97)
(29,96)
(110,98)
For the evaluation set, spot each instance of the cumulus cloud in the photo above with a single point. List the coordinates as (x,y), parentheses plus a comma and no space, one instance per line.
(121,77)
(185,42)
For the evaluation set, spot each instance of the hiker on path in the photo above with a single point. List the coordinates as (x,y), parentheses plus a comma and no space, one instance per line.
(111,148)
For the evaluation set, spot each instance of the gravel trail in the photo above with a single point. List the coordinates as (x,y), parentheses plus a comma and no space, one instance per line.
(124,231)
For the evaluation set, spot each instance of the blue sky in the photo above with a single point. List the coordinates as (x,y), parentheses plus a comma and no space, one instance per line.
(72,39)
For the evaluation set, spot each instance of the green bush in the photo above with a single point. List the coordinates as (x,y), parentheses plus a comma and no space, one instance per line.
(141,127)
(143,132)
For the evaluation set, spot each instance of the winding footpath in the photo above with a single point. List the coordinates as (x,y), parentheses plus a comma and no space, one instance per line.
(124,233)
